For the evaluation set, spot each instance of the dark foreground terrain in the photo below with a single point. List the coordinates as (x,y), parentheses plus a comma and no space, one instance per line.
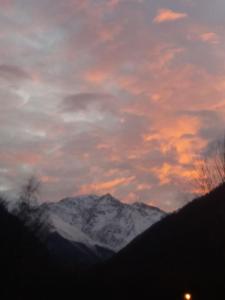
(184,252)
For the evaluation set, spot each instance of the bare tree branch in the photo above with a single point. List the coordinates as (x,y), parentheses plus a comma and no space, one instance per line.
(30,191)
(210,171)
(28,209)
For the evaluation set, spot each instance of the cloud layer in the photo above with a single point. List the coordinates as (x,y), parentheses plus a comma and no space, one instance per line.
(116,96)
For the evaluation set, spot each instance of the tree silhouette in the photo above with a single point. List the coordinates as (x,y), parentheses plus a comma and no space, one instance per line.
(30,191)
(28,209)
(210,171)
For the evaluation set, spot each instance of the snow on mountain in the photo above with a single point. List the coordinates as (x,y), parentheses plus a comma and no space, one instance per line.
(101,221)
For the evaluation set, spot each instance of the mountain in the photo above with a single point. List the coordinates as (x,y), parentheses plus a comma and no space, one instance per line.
(73,254)
(102,224)
(183,253)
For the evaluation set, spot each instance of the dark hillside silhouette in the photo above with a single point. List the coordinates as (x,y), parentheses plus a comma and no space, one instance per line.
(70,254)
(26,269)
(21,255)
(185,252)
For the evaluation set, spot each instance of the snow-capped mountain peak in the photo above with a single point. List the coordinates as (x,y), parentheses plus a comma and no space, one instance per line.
(101,220)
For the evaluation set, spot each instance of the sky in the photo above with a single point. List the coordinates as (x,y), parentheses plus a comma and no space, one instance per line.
(110,96)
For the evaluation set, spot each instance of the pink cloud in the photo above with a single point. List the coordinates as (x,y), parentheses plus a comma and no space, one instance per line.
(168,15)
(6,3)
(204,34)
(210,37)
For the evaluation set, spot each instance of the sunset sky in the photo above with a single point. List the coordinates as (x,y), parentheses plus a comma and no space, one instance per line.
(110,96)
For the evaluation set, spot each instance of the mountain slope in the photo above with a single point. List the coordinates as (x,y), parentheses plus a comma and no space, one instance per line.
(185,252)
(73,254)
(100,221)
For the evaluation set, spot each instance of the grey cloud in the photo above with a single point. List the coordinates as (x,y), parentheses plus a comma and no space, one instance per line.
(83,101)
(212,123)
(12,72)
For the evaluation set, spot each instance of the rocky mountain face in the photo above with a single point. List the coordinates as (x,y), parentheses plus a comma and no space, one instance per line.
(100,221)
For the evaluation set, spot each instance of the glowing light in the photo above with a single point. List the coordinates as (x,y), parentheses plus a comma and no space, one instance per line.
(187,296)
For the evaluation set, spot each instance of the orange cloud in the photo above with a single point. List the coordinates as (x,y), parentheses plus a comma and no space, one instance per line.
(205,34)
(131,197)
(96,76)
(27,158)
(164,173)
(49,179)
(175,128)
(108,34)
(167,172)
(107,185)
(143,187)
(179,134)
(168,15)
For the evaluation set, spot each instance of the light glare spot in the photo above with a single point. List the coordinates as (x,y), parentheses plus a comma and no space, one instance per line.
(187,296)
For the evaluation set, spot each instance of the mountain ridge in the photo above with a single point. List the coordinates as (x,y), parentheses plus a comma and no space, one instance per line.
(100,220)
